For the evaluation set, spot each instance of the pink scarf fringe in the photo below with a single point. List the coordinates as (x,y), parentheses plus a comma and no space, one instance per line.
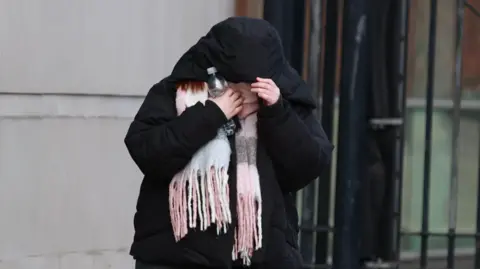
(198,201)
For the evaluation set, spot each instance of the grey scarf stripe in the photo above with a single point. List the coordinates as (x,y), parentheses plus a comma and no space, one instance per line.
(243,154)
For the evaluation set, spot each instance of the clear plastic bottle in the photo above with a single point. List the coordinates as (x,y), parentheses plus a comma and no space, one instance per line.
(217,85)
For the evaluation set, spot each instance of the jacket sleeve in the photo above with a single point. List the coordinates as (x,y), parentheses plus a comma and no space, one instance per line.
(296,143)
(162,143)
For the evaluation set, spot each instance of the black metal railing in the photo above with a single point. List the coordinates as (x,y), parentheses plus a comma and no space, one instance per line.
(340,246)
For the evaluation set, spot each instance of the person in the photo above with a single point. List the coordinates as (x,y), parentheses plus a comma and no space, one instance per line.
(213,200)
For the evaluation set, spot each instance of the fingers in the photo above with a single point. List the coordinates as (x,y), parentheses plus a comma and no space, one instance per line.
(269,99)
(238,102)
(266,80)
(229,92)
(267,90)
(261,91)
(263,85)
(264,96)
(235,95)
(237,110)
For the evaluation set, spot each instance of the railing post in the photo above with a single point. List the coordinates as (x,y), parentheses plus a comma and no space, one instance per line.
(309,192)
(404,19)
(352,134)
(477,230)
(457,98)
(425,231)
(328,105)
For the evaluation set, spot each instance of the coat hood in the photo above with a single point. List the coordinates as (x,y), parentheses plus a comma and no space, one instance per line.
(243,49)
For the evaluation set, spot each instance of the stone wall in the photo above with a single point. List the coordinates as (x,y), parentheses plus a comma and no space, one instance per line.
(72,76)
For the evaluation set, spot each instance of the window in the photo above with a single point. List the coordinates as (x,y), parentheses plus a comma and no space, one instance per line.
(469,137)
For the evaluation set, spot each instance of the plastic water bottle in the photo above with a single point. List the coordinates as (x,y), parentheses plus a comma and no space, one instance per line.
(217,85)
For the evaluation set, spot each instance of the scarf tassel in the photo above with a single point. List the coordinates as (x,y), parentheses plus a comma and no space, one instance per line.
(199,198)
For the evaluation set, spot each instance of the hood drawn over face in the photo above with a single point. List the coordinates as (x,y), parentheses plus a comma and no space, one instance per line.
(243,49)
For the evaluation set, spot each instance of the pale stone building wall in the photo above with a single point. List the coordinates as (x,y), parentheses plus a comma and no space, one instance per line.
(72,75)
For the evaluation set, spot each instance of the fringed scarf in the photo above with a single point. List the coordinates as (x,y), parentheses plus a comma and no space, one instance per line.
(199,195)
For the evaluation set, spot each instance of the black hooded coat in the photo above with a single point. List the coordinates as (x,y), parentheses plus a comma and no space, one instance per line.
(292,148)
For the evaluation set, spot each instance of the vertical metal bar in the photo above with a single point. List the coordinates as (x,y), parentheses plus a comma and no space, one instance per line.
(297,39)
(457,98)
(307,220)
(314,50)
(328,106)
(307,238)
(477,230)
(428,134)
(352,135)
(297,35)
(400,132)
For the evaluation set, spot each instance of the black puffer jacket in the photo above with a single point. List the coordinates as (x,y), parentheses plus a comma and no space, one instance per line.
(292,147)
